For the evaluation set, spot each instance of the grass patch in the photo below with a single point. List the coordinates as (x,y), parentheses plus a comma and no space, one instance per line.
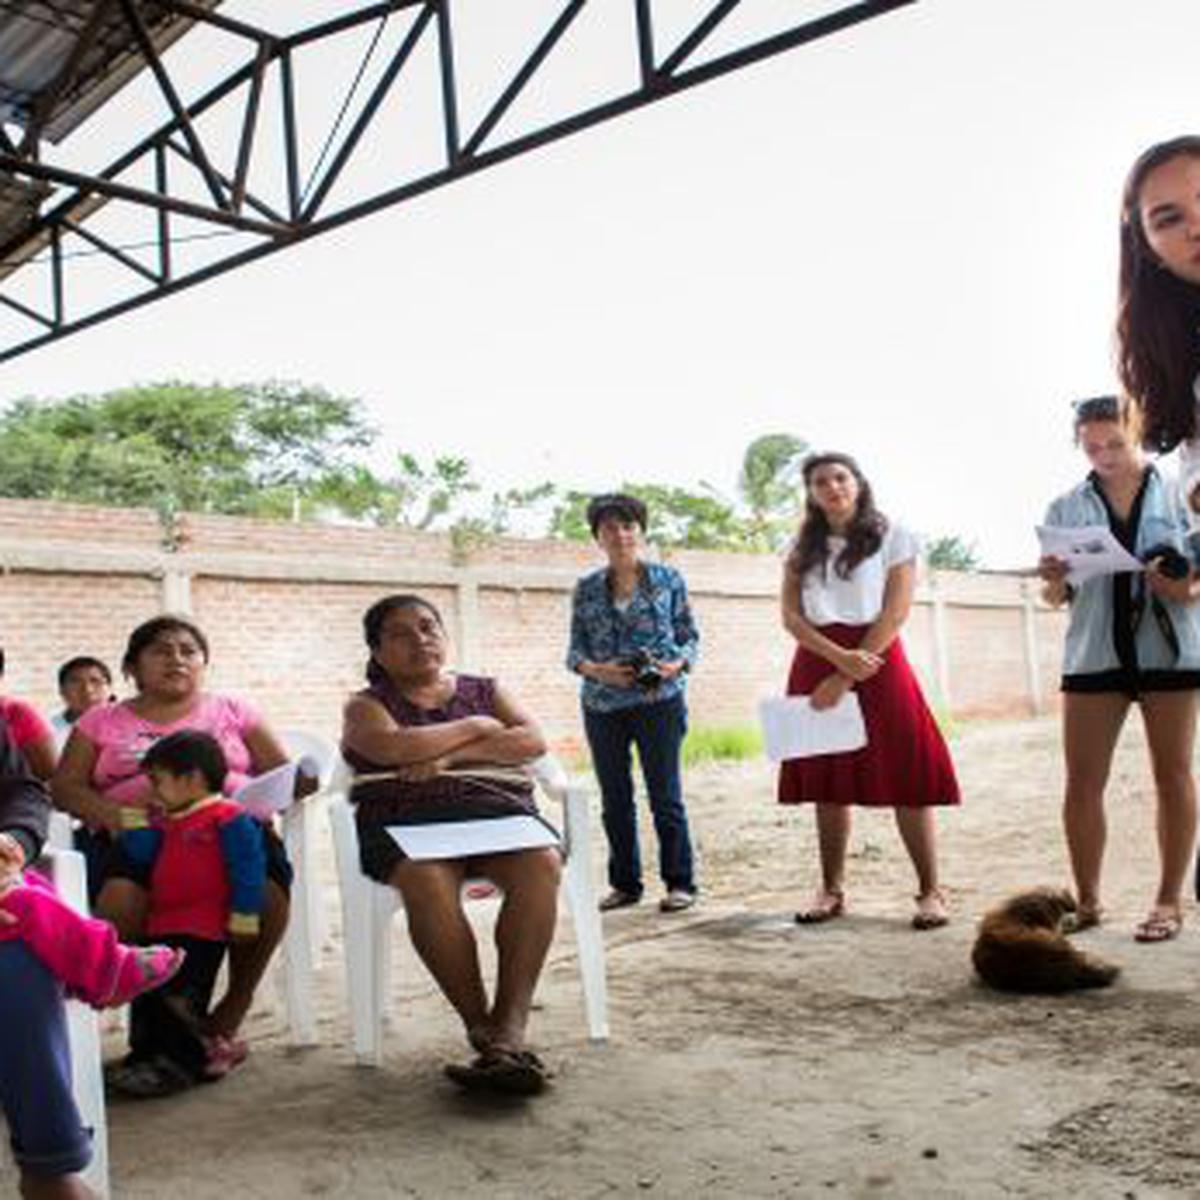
(717,743)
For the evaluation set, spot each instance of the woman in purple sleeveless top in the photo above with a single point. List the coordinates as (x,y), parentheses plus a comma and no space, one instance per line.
(413,722)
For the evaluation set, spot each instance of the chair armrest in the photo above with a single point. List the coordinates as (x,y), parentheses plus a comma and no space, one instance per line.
(550,775)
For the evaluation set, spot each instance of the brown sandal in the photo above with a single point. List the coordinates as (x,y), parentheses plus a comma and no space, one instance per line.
(931,910)
(509,1072)
(826,905)
(1160,926)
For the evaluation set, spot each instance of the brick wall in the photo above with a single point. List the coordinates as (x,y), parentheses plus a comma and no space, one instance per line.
(282,603)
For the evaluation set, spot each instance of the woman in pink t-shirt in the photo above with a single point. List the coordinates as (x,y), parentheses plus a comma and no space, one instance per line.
(100,773)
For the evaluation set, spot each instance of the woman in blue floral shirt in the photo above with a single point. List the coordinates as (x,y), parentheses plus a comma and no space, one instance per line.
(633,640)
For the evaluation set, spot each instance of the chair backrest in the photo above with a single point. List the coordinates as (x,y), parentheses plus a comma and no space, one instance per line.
(300,743)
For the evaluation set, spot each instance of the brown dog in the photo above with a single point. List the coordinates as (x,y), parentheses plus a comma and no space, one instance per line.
(1021,947)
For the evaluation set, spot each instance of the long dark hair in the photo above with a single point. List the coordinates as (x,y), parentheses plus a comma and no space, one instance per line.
(1158,317)
(863,537)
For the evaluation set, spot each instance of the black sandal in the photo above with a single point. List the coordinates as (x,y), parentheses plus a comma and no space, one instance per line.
(148,1078)
(508,1072)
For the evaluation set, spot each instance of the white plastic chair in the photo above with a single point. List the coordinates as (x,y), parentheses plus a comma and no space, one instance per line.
(60,835)
(69,872)
(306,922)
(368,908)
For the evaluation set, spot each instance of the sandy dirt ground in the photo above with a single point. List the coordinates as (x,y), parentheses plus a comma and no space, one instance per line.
(751,1057)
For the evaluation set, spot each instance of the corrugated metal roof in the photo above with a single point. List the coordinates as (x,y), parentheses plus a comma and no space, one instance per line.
(38,41)
(38,37)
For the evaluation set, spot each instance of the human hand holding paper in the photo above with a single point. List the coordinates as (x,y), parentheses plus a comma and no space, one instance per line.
(1087,551)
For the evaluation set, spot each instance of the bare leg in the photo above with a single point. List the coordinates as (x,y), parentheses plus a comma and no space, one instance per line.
(443,938)
(1170,720)
(1091,724)
(248,963)
(55,1187)
(918,833)
(123,904)
(524,929)
(833,837)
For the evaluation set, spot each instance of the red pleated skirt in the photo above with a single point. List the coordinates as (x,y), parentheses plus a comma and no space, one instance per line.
(905,762)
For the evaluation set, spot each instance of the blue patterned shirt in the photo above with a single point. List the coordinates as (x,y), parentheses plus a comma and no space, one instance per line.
(658,620)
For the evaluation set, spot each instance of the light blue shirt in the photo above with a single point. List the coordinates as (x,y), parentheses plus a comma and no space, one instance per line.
(1091,645)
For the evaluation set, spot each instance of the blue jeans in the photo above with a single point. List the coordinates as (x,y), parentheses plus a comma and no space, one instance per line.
(657,730)
(35,1069)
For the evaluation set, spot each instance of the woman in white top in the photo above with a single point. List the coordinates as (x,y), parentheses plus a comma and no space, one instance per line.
(847,590)
(1158,318)
(1158,315)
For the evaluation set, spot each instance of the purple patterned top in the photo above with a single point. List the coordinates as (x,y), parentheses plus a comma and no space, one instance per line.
(391,801)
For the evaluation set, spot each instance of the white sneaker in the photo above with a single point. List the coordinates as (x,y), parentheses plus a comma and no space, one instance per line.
(676,900)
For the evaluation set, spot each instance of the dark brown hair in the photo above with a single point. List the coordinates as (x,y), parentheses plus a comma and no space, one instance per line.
(623,507)
(148,631)
(863,537)
(185,751)
(1158,317)
(378,613)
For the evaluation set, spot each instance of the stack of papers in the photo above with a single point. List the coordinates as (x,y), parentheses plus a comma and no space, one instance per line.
(792,728)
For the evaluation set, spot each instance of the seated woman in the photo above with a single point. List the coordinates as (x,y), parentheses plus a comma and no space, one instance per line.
(414,722)
(101,771)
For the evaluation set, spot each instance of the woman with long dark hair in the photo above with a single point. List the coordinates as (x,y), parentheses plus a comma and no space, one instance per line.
(1158,317)
(847,589)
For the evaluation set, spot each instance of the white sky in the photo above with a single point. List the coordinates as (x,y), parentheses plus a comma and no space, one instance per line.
(899,241)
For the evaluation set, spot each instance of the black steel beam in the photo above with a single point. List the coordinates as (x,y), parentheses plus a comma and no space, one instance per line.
(311,216)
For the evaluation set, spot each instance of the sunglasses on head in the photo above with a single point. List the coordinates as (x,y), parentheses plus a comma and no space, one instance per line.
(1097,408)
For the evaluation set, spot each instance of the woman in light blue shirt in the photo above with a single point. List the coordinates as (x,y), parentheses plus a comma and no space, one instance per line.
(1132,637)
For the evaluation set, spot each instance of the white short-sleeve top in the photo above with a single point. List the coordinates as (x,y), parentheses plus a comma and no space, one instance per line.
(828,599)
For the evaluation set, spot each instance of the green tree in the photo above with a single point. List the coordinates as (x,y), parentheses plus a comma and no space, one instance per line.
(702,520)
(951,553)
(770,487)
(415,495)
(255,449)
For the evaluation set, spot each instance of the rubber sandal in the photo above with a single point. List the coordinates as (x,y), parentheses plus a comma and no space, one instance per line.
(825,907)
(931,910)
(1082,919)
(618,899)
(506,1072)
(149,1078)
(1158,927)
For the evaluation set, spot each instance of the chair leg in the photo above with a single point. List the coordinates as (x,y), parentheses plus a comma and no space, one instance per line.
(297,960)
(585,916)
(83,1025)
(86,1067)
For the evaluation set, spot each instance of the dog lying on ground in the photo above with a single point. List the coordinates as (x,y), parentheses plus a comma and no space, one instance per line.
(1021,947)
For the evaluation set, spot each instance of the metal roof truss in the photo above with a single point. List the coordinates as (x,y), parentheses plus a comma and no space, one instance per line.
(238,206)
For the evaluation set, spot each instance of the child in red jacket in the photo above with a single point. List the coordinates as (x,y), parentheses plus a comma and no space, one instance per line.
(205,868)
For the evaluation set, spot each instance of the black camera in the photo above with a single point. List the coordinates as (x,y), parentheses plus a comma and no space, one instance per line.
(646,674)
(1171,562)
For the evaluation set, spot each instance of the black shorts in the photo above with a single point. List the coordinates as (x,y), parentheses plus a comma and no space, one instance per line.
(279,870)
(1133,684)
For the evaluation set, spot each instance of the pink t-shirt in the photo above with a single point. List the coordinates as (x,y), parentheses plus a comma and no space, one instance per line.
(24,722)
(121,738)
